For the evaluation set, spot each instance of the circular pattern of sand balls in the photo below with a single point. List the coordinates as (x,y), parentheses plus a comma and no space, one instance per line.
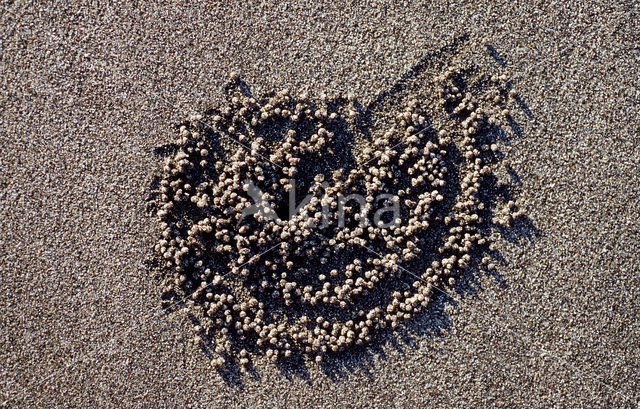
(306,285)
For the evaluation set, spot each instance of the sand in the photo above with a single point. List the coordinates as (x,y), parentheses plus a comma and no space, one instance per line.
(88,92)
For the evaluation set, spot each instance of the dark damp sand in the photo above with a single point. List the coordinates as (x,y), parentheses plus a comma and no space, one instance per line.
(86,94)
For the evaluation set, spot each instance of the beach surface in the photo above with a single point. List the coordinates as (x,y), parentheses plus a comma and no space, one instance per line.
(88,92)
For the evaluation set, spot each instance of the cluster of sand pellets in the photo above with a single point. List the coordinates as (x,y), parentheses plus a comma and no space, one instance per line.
(377,226)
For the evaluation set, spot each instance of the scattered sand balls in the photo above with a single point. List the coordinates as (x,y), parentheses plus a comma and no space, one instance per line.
(262,279)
